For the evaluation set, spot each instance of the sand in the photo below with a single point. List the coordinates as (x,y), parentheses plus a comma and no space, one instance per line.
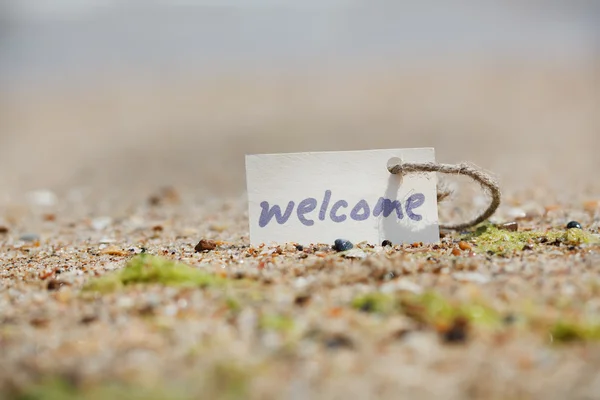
(83,172)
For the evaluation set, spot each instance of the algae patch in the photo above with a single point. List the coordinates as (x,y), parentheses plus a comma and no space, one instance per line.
(433,309)
(490,239)
(148,269)
(276,322)
(60,388)
(566,331)
(375,302)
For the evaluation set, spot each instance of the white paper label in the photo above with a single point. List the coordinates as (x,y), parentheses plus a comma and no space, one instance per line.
(319,197)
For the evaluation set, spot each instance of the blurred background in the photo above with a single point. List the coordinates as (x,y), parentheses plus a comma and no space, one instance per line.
(122,97)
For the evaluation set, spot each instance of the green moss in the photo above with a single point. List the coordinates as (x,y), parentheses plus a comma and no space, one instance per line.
(150,269)
(61,389)
(571,331)
(229,381)
(375,302)
(432,308)
(51,389)
(276,322)
(104,284)
(488,238)
(233,304)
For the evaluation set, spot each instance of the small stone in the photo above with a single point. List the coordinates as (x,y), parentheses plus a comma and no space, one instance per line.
(299,247)
(49,217)
(342,245)
(3,229)
(54,284)
(114,251)
(456,252)
(338,341)
(527,247)
(457,333)
(574,225)
(29,237)
(386,243)
(302,300)
(354,253)
(88,319)
(509,226)
(509,319)
(464,245)
(205,245)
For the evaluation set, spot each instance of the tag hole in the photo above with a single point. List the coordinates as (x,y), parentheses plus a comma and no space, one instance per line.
(392,162)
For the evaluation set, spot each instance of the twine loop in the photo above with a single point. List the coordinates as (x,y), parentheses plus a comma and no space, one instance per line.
(485,181)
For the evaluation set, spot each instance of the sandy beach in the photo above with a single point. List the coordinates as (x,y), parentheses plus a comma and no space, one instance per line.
(126,269)
(152,168)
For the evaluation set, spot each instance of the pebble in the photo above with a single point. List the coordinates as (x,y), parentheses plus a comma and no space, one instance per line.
(355,253)
(3,229)
(509,226)
(574,225)
(386,243)
(338,341)
(342,245)
(54,284)
(114,251)
(464,245)
(29,237)
(205,245)
(457,332)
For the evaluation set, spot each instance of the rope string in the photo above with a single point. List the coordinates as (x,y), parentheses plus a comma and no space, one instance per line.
(487,183)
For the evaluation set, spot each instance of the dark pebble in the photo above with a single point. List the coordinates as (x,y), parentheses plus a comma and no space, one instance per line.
(54,284)
(386,243)
(510,226)
(342,245)
(457,332)
(574,225)
(239,275)
(205,245)
(527,247)
(30,237)
(299,247)
(3,229)
(302,299)
(389,276)
(509,319)
(338,342)
(88,319)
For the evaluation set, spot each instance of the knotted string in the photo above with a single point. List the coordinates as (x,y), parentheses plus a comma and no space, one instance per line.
(486,182)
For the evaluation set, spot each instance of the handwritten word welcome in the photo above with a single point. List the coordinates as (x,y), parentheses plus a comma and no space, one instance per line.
(338,211)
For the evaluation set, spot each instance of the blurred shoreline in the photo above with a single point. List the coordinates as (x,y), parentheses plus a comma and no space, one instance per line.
(117,97)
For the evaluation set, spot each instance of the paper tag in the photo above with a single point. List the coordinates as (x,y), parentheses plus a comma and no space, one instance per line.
(319,197)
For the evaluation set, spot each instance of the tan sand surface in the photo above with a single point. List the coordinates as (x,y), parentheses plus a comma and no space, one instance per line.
(83,173)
